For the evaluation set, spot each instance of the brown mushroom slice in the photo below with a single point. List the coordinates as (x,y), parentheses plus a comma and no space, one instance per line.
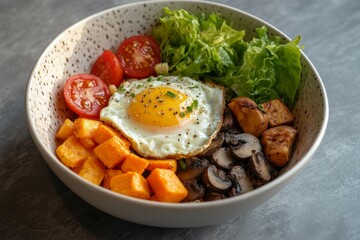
(216,179)
(194,168)
(241,181)
(215,145)
(250,118)
(223,158)
(244,144)
(212,196)
(228,120)
(278,142)
(195,190)
(230,136)
(259,167)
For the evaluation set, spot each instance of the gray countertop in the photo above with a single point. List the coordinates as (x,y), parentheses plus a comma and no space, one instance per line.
(323,202)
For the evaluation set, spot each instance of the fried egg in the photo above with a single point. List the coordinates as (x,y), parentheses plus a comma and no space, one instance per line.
(166,117)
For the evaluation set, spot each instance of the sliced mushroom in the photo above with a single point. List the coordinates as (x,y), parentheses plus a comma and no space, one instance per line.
(215,145)
(278,142)
(194,168)
(212,196)
(223,158)
(250,118)
(228,119)
(195,190)
(259,167)
(215,179)
(244,144)
(230,134)
(242,183)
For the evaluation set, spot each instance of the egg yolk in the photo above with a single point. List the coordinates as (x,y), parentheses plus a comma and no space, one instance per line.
(159,106)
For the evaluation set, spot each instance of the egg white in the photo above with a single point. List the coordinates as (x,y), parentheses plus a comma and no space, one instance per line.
(188,139)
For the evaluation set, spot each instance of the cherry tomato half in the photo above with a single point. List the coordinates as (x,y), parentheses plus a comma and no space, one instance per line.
(138,56)
(86,94)
(108,68)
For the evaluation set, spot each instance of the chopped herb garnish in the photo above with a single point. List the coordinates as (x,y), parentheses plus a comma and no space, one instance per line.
(182,164)
(170,94)
(150,79)
(189,109)
(192,87)
(195,103)
(121,89)
(132,94)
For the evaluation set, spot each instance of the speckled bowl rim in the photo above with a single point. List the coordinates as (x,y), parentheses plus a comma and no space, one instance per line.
(50,156)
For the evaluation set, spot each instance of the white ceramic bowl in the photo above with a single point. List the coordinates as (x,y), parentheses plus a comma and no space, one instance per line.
(77,47)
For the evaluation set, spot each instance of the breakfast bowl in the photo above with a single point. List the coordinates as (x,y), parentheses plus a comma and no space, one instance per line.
(76,49)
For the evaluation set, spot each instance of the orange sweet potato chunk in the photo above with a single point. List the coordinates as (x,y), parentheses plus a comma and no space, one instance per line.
(134,163)
(109,173)
(85,128)
(104,132)
(87,142)
(92,170)
(169,164)
(166,186)
(66,130)
(131,184)
(72,153)
(112,152)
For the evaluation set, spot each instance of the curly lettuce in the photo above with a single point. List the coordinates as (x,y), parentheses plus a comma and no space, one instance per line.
(207,47)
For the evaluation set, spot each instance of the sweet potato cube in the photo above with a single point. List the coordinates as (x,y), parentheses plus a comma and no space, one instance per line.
(112,152)
(154,198)
(131,184)
(109,173)
(72,153)
(66,130)
(134,163)
(169,164)
(76,169)
(87,142)
(92,170)
(85,128)
(103,133)
(278,113)
(166,185)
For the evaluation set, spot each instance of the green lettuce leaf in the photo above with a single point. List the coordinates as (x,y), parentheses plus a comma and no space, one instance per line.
(270,70)
(207,47)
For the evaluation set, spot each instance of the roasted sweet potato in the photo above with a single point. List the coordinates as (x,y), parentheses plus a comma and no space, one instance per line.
(109,173)
(92,170)
(66,130)
(104,132)
(85,128)
(169,164)
(87,142)
(112,152)
(131,184)
(134,163)
(166,186)
(72,153)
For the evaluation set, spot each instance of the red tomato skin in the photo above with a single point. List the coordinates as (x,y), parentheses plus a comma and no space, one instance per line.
(86,94)
(138,56)
(108,68)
